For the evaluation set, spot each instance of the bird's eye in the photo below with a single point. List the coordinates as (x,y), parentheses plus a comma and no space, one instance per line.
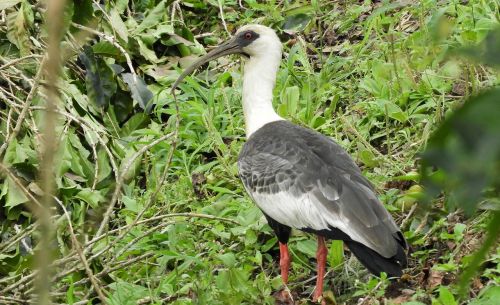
(248,35)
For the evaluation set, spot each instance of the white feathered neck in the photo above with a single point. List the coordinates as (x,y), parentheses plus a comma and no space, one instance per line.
(258,84)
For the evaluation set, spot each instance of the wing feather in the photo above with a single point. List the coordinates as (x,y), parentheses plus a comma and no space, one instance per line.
(303,179)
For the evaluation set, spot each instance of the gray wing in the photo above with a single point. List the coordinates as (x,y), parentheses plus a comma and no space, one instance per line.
(302,179)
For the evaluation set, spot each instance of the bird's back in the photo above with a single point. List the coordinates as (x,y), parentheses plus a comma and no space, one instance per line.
(304,180)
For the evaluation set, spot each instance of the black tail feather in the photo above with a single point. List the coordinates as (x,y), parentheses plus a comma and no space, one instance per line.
(376,263)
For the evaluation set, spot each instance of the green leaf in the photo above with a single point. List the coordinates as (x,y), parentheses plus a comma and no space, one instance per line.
(296,22)
(118,25)
(466,149)
(107,49)
(83,12)
(15,196)
(446,297)
(98,78)
(103,162)
(92,197)
(487,51)
(152,19)
(308,247)
(8,3)
(17,31)
(140,92)
(131,204)
(392,110)
(291,98)
(228,259)
(137,121)
(488,296)
(336,253)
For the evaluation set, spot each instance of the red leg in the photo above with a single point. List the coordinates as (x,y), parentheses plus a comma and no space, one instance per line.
(321,259)
(284,262)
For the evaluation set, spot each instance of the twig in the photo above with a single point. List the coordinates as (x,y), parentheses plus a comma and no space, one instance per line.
(17,60)
(11,300)
(111,40)
(221,11)
(121,179)
(52,69)
(78,249)
(410,213)
(26,106)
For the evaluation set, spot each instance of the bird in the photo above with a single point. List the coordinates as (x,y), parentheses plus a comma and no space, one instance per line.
(300,178)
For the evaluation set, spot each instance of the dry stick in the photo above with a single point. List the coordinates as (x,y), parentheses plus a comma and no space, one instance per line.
(162,179)
(353,130)
(88,127)
(78,249)
(26,106)
(88,245)
(118,266)
(153,196)
(150,200)
(15,61)
(113,41)
(190,215)
(18,72)
(221,11)
(120,182)
(52,69)
(407,218)
(12,300)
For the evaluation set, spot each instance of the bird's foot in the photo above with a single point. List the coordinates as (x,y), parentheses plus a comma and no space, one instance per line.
(284,296)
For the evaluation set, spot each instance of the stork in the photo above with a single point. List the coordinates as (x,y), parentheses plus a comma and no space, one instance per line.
(300,178)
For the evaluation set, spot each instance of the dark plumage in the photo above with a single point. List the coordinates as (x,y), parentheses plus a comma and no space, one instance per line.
(283,158)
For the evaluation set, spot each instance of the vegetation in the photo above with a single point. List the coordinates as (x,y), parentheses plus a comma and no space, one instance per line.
(113,192)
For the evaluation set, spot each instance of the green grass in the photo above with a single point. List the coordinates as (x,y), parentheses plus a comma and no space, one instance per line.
(377,77)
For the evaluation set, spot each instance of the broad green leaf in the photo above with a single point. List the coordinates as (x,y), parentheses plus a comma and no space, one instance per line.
(137,121)
(118,25)
(98,78)
(140,92)
(291,97)
(152,18)
(92,197)
(17,31)
(104,169)
(145,51)
(131,204)
(228,259)
(307,247)
(296,23)
(487,51)
(15,196)
(121,5)
(107,49)
(446,297)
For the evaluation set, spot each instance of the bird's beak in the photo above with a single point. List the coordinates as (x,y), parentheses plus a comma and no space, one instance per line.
(229,47)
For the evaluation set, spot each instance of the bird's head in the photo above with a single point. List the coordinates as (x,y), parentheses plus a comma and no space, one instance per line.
(253,41)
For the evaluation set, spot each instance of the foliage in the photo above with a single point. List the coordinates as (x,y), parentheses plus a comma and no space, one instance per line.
(466,151)
(378,77)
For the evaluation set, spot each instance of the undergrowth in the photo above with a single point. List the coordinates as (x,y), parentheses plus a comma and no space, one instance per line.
(155,204)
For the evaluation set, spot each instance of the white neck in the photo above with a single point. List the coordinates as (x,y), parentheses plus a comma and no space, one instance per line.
(258,85)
